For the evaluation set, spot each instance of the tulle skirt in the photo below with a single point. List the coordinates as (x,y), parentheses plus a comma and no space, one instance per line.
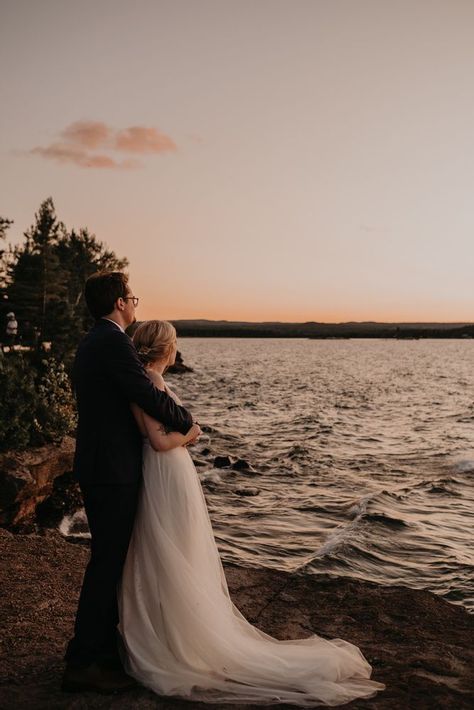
(182,633)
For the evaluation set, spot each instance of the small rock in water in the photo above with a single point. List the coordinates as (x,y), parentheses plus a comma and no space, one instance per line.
(242,465)
(244,491)
(222,462)
(208,429)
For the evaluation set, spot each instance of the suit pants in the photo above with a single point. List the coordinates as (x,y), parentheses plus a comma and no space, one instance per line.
(110,513)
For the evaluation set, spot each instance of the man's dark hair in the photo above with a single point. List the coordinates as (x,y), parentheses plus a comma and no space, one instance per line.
(103,289)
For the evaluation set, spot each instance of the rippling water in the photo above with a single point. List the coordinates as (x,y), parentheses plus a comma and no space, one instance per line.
(363,453)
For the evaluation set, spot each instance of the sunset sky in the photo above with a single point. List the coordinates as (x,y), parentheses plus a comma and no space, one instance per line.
(255,160)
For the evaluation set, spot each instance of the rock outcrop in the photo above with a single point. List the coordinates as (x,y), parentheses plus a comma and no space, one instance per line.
(27,479)
(179,366)
(419,645)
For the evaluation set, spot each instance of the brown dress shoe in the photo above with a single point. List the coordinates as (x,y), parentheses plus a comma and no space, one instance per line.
(97,679)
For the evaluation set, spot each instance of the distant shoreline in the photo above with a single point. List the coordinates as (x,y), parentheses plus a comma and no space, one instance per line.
(323,331)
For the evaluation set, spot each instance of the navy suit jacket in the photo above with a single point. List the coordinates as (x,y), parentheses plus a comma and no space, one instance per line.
(107,377)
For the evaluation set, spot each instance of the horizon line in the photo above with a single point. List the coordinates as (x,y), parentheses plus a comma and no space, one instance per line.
(311,322)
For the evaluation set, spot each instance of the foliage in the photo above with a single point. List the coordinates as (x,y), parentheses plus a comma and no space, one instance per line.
(42,282)
(46,280)
(5,224)
(55,413)
(37,405)
(37,285)
(81,255)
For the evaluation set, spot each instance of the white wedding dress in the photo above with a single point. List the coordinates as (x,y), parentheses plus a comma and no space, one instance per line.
(182,633)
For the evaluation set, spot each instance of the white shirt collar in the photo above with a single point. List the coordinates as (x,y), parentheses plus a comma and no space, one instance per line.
(115,323)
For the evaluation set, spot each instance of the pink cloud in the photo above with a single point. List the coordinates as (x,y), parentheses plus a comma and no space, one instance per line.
(64,153)
(89,134)
(138,139)
(79,141)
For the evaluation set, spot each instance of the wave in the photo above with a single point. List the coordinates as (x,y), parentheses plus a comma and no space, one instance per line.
(298,451)
(464,466)
(442,488)
(386,520)
(75,525)
(343,534)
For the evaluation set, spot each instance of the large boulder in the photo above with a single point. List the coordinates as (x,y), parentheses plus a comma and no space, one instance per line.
(27,479)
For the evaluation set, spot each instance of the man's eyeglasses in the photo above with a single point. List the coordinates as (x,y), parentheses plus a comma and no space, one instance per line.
(132,298)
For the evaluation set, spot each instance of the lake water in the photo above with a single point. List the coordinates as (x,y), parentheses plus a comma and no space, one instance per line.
(363,453)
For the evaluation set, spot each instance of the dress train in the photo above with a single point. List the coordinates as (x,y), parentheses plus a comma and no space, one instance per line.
(182,633)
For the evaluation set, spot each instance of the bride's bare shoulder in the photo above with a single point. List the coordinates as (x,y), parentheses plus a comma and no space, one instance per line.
(156,378)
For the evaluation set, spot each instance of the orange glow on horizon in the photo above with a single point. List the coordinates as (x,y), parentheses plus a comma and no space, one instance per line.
(221,313)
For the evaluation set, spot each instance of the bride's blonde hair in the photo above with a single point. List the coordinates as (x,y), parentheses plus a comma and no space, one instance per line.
(154,340)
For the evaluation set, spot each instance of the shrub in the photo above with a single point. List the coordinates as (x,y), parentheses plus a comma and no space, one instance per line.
(36,404)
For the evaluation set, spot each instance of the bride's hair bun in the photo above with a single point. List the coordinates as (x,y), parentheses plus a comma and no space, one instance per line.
(154,340)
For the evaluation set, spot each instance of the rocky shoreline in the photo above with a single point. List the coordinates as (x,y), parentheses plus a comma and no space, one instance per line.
(37,488)
(420,646)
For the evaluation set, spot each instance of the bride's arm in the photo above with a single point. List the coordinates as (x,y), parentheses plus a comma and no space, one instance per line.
(155,431)
(161,441)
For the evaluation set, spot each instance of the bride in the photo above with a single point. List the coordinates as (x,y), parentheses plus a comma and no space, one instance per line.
(182,633)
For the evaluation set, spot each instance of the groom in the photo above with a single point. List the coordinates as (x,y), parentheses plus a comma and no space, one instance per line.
(108,376)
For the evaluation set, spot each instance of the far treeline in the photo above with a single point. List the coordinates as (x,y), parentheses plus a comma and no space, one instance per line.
(230,329)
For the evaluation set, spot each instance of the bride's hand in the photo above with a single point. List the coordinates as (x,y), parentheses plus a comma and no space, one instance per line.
(194,433)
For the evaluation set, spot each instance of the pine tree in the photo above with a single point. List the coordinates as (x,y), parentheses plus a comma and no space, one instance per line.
(47,276)
(5,224)
(81,254)
(37,287)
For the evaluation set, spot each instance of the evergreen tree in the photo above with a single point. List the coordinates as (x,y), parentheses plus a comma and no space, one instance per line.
(37,287)
(5,224)
(81,254)
(47,276)
(43,282)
